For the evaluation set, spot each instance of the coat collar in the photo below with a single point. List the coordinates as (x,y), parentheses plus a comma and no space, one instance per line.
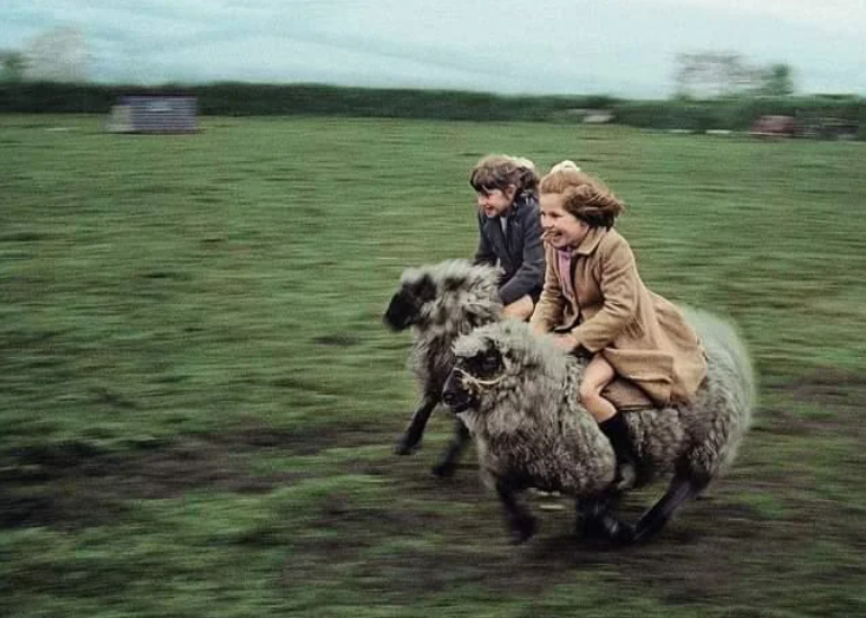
(493,231)
(517,207)
(514,215)
(590,241)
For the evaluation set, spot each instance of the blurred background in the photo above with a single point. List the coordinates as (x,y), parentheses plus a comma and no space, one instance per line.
(207,206)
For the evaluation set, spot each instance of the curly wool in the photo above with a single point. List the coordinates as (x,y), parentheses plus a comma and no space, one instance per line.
(530,429)
(466,296)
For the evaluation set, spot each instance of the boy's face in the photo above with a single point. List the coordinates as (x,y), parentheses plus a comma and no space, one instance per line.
(560,228)
(495,202)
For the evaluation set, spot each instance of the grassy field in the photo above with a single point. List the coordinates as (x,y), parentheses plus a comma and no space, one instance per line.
(198,398)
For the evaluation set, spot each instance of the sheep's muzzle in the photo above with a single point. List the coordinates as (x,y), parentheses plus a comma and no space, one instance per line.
(401,313)
(456,394)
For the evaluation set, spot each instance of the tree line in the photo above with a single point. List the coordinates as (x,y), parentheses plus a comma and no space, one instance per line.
(243,99)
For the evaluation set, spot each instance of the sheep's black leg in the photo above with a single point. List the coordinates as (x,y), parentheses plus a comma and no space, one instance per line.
(595,520)
(521,524)
(586,510)
(599,523)
(680,490)
(448,464)
(410,439)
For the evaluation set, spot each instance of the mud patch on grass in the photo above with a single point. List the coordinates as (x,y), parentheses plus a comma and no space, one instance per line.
(407,553)
(412,552)
(414,476)
(833,388)
(836,398)
(188,466)
(307,440)
(66,508)
(77,484)
(339,340)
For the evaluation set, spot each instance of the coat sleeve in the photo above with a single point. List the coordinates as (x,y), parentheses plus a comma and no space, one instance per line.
(548,311)
(484,254)
(530,275)
(620,287)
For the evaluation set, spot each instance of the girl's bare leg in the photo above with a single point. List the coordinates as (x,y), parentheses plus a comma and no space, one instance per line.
(597,375)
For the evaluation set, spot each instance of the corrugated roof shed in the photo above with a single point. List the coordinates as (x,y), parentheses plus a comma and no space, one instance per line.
(154,114)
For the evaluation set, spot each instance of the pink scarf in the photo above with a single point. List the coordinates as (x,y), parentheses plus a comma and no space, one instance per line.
(564,264)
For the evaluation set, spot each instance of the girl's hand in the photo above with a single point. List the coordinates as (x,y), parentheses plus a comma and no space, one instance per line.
(565,342)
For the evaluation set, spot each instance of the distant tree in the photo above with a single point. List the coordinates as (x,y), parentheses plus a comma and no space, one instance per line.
(13,66)
(712,74)
(778,80)
(59,55)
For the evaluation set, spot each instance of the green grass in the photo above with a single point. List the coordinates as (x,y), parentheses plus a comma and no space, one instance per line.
(198,396)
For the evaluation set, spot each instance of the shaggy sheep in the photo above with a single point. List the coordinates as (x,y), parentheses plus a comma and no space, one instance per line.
(517,394)
(440,302)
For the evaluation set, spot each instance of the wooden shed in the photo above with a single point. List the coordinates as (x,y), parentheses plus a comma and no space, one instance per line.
(153,114)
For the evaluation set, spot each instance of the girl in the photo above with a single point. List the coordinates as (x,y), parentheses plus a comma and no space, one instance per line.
(509,228)
(596,303)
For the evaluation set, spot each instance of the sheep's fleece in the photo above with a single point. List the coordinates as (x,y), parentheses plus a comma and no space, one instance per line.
(531,431)
(466,296)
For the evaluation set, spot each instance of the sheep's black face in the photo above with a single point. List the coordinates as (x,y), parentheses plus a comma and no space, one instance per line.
(470,377)
(485,365)
(404,310)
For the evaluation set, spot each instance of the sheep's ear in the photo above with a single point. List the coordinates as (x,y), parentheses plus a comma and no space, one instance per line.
(425,289)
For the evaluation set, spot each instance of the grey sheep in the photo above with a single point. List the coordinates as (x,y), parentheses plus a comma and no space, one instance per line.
(518,396)
(440,302)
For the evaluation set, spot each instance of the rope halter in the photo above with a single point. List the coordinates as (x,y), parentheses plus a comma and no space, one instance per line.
(477,385)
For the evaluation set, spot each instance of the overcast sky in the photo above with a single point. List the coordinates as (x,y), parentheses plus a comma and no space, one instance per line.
(621,47)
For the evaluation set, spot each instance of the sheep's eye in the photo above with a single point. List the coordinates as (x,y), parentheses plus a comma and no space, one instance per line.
(486,363)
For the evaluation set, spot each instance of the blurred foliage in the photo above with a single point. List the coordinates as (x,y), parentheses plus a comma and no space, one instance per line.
(737,113)
(719,73)
(199,398)
(243,99)
(12,71)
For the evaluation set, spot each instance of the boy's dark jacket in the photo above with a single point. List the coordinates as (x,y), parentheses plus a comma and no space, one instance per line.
(520,254)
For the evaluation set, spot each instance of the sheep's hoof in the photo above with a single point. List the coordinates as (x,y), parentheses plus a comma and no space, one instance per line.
(610,529)
(406,446)
(621,533)
(444,469)
(522,529)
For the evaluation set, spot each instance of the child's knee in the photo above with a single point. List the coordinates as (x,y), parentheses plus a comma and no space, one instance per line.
(589,392)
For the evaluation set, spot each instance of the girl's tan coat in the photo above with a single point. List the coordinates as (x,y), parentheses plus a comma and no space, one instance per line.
(642,335)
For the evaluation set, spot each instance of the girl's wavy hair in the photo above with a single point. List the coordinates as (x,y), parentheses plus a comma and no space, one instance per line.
(499,171)
(585,196)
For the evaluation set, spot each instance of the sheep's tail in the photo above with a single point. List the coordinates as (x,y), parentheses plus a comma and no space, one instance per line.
(723,335)
(731,367)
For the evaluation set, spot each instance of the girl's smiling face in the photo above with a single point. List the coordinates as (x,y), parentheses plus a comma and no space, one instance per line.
(561,229)
(494,202)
